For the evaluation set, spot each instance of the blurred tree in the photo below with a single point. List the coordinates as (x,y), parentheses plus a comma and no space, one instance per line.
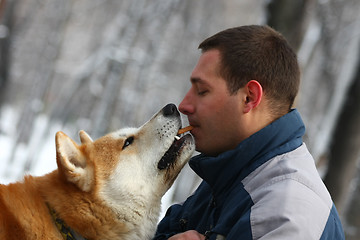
(341,70)
(6,23)
(291,18)
(342,178)
(351,218)
(334,83)
(344,151)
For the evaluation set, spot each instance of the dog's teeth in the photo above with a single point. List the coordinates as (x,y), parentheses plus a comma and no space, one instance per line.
(177,138)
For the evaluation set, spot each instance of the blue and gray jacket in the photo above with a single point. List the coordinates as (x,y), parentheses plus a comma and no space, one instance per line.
(266,188)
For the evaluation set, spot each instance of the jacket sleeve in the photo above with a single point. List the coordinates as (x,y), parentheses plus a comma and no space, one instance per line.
(169,225)
(186,216)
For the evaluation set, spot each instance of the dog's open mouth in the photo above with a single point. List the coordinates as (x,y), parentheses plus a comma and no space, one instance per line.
(172,153)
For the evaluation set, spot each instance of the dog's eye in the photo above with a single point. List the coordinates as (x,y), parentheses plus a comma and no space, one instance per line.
(128,141)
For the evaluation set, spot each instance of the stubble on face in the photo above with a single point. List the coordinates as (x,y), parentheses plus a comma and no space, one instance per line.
(216,115)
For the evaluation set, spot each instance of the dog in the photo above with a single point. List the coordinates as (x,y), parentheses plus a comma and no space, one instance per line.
(110,188)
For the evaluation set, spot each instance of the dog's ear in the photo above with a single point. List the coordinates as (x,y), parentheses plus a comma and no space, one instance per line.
(84,137)
(72,162)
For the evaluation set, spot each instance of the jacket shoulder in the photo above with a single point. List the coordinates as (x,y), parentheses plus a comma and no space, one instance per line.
(288,195)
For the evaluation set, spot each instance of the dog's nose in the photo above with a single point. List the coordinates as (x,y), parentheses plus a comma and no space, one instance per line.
(170,110)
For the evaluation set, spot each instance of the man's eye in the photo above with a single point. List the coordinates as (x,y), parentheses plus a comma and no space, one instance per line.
(202,93)
(128,142)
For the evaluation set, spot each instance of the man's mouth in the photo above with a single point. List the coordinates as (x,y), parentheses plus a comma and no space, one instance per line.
(173,152)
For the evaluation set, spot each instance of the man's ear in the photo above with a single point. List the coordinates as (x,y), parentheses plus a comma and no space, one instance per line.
(72,162)
(254,94)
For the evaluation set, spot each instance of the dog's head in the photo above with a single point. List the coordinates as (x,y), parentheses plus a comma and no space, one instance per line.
(131,164)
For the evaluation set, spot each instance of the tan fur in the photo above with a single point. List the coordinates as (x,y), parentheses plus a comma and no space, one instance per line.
(100,189)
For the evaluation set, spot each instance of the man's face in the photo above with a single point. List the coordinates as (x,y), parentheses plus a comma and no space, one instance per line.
(215,115)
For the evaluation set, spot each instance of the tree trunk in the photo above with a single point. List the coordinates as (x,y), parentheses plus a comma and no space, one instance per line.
(6,24)
(291,18)
(351,220)
(345,146)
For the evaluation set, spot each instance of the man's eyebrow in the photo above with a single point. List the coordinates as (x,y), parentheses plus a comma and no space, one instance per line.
(196,80)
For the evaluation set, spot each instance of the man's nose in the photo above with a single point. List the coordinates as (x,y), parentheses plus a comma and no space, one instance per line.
(187,105)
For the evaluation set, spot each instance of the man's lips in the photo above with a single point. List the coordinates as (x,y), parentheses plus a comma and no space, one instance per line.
(193,123)
(195,129)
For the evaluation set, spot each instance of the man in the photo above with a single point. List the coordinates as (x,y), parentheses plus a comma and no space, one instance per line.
(259,180)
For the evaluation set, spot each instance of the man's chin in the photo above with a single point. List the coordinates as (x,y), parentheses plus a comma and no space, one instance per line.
(211,152)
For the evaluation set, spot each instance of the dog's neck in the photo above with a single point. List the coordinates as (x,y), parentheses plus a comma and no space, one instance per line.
(83,212)
(66,232)
(88,215)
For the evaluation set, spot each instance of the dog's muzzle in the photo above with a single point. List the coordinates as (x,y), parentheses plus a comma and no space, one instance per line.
(178,144)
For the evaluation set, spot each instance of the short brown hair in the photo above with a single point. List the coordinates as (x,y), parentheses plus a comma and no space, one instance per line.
(258,53)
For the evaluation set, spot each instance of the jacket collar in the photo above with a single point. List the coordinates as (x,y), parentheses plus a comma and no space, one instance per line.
(283,135)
